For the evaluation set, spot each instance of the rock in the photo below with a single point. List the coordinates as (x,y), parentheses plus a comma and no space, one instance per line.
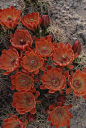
(76,17)
(85,8)
(75,6)
(15,5)
(67,8)
(83,35)
(79,23)
(70,16)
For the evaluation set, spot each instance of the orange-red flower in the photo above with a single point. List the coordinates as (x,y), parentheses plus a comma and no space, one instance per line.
(9,60)
(9,17)
(22,81)
(44,47)
(53,80)
(77,83)
(13,122)
(0,13)
(32,61)
(60,116)
(31,21)
(63,55)
(24,102)
(21,39)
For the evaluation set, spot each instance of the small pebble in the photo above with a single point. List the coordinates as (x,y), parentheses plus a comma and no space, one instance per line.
(15,5)
(83,36)
(75,6)
(8,5)
(85,8)
(5,7)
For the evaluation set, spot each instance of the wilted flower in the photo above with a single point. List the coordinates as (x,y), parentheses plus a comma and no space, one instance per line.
(60,116)
(76,46)
(45,21)
(31,21)
(9,17)
(21,39)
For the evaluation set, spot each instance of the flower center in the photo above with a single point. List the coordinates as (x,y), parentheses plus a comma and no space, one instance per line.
(33,62)
(77,84)
(59,113)
(44,50)
(18,126)
(24,80)
(22,42)
(12,61)
(64,58)
(27,100)
(55,82)
(31,19)
(9,18)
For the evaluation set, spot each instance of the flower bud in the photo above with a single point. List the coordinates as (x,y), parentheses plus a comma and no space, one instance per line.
(45,21)
(76,47)
(61,98)
(33,0)
(47,110)
(49,36)
(31,117)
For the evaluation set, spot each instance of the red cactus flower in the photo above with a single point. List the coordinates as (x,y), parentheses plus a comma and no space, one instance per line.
(63,55)
(44,47)
(77,83)
(50,37)
(24,102)
(22,81)
(32,61)
(60,116)
(21,39)
(13,122)
(9,60)
(0,13)
(31,21)
(31,117)
(53,80)
(76,46)
(9,17)
(45,21)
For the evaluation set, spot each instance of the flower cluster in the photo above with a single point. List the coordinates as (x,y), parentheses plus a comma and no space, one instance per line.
(28,58)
